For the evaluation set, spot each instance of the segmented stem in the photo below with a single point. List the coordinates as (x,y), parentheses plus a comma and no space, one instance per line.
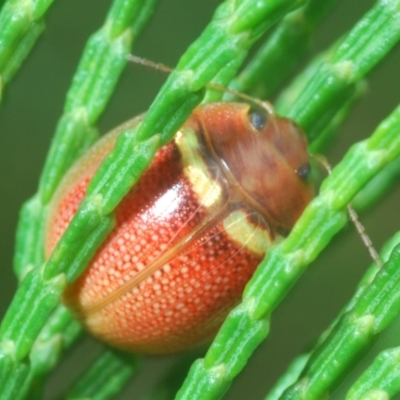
(106,377)
(38,294)
(295,369)
(381,380)
(21,24)
(58,334)
(365,45)
(282,51)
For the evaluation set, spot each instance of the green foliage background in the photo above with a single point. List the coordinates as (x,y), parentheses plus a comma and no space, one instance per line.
(33,102)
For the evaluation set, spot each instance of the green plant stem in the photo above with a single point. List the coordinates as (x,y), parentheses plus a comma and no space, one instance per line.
(386,178)
(29,249)
(293,372)
(290,95)
(226,38)
(365,45)
(277,57)
(378,187)
(56,336)
(289,377)
(104,58)
(282,51)
(381,377)
(21,24)
(102,63)
(356,330)
(167,387)
(106,377)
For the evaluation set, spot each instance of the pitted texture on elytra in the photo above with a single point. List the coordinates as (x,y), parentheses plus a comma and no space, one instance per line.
(182,295)
(184,301)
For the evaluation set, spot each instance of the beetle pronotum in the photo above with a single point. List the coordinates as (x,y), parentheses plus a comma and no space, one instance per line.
(190,234)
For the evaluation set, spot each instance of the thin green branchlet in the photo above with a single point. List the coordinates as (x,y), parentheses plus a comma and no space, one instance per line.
(290,95)
(124,22)
(103,61)
(21,24)
(382,376)
(106,376)
(288,377)
(356,54)
(57,335)
(271,65)
(291,376)
(378,187)
(170,382)
(380,380)
(104,58)
(354,332)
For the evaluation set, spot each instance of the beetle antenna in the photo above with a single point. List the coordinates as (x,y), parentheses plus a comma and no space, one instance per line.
(149,63)
(354,218)
(364,236)
(265,105)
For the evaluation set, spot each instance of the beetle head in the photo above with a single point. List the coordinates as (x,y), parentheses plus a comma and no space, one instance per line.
(264,157)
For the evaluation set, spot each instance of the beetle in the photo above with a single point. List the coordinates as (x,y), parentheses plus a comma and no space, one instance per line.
(190,234)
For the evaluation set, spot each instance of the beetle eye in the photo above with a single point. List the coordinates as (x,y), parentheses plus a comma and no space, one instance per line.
(304,171)
(257,120)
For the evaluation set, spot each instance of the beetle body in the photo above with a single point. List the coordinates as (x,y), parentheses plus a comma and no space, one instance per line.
(190,234)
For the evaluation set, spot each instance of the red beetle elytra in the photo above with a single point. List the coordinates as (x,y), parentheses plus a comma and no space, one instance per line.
(191,232)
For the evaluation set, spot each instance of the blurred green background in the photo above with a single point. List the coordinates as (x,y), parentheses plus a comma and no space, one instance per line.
(33,102)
